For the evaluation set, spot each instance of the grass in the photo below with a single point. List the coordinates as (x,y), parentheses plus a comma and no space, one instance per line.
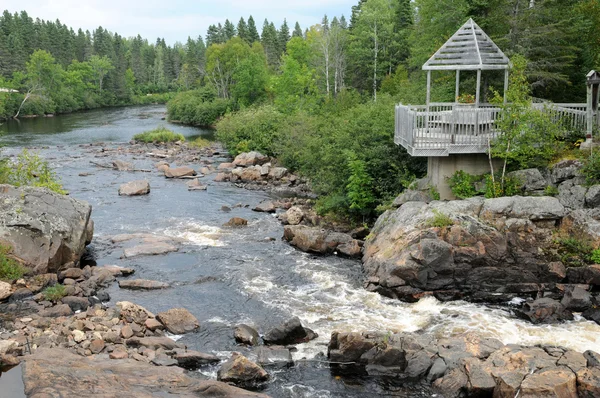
(439,220)
(10,270)
(200,143)
(158,135)
(54,293)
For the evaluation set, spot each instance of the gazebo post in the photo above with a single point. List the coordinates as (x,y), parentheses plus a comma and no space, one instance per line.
(478,88)
(456,92)
(505,84)
(428,99)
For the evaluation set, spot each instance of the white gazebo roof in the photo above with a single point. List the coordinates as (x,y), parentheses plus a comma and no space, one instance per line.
(468,49)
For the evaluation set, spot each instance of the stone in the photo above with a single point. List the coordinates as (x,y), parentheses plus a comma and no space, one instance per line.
(247,174)
(5,290)
(240,371)
(226,166)
(530,179)
(289,332)
(178,320)
(557,270)
(133,313)
(293,216)
(236,222)
(51,372)
(153,343)
(245,334)
(588,382)
(142,284)
(277,173)
(412,196)
(164,360)
(222,177)
(452,384)
(44,229)
(180,172)
(196,185)
(266,206)
(565,170)
(78,336)
(553,382)
(56,311)
(135,188)
(126,331)
(592,196)
(115,270)
(149,249)
(192,360)
(278,357)
(153,324)
(544,310)
(72,273)
(8,346)
(531,208)
(97,346)
(122,165)
(592,358)
(571,195)
(576,299)
(349,347)
(118,355)
(76,303)
(250,159)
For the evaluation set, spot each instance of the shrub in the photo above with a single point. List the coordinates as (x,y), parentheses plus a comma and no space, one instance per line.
(54,293)
(595,256)
(591,169)
(498,187)
(462,184)
(29,169)
(159,135)
(197,108)
(574,251)
(10,270)
(439,220)
(551,190)
(200,142)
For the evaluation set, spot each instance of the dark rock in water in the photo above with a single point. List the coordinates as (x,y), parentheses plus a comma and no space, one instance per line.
(349,347)
(592,314)
(193,360)
(240,371)
(236,222)
(164,360)
(265,207)
(593,358)
(290,332)
(320,241)
(584,275)
(44,229)
(135,188)
(178,320)
(278,357)
(245,334)
(51,372)
(576,299)
(76,303)
(225,208)
(20,294)
(142,284)
(544,310)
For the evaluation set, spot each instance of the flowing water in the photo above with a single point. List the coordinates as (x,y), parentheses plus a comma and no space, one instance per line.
(229,276)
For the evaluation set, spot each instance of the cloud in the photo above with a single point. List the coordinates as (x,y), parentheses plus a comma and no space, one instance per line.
(175,20)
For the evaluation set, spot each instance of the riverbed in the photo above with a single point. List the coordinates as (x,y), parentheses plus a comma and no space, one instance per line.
(245,275)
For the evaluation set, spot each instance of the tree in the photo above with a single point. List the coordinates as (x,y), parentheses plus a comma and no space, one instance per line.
(222,61)
(228,30)
(252,31)
(251,77)
(242,30)
(43,76)
(270,43)
(284,36)
(100,67)
(297,31)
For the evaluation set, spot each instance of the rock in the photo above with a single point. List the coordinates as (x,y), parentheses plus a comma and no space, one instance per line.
(5,290)
(76,303)
(162,166)
(572,195)
(226,166)
(592,358)
(249,174)
(530,179)
(118,355)
(78,336)
(44,229)
(588,382)
(133,313)
(557,271)
(589,275)
(278,357)
(180,172)
(164,360)
(565,170)
(290,332)
(293,216)
(97,346)
(8,346)
(241,371)
(149,249)
(51,372)
(142,284)
(245,334)
(349,347)
(21,294)
(437,370)
(196,185)
(222,177)
(236,222)
(350,249)
(531,208)
(126,332)
(265,207)
(545,310)
(193,360)
(178,320)
(135,188)
(56,311)
(557,382)
(250,159)
(592,196)
(73,273)
(452,384)
(115,270)
(277,173)
(316,240)
(122,165)
(576,299)
(153,343)
(412,196)
(592,314)
(153,324)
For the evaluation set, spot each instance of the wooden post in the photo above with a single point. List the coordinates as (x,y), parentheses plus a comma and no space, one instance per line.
(505,83)
(590,113)
(427,101)
(456,92)
(478,88)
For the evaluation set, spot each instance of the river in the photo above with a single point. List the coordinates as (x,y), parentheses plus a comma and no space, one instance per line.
(229,276)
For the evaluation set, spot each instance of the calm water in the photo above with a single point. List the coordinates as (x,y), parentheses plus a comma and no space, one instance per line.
(228,276)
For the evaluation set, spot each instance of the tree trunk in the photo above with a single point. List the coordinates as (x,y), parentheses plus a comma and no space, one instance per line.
(16,116)
(376,51)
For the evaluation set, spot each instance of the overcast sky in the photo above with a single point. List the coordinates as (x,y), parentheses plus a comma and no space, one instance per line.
(175,20)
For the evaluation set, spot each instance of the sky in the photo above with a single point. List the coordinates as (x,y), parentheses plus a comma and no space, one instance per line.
(175,20)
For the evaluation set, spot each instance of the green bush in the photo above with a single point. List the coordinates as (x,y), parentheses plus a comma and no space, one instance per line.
(591,168)
(574,251)
(439,220)
(498,187)
(148,99)
(158,135)
(462,184)
(595,256)
(54,293)
(551,190)
(200,142)
(10,270)
(29,169)
(197,108)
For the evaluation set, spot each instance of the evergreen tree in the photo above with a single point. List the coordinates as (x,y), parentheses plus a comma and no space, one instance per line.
(242,30)
(284,37)
(297,31)
(252,31)
(228,30)
(270,43)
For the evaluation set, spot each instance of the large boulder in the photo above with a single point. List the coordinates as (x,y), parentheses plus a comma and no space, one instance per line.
(240,371)
(545,310)
(60,373)
(572,195)
(530,179)
(250,159)
(142,284)
(135,188)
(289,332)
(180,172)
(320,241)
(5,290)
(566,170)
(178,320)
(44,229)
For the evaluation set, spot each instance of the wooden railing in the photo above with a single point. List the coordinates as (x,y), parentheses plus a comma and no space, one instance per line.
(441,129)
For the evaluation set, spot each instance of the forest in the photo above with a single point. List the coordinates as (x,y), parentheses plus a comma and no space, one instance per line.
(319,98)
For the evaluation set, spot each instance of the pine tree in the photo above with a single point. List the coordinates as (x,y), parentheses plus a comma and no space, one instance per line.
(297,31)
(252,31)
(284,37)
(228,30)
(270,43)
(242,30)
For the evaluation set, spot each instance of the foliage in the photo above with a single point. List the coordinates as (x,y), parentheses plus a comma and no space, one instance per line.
(158,135)
(200,142)
(29,169)
(551,190)
(359,187)
(10,270)
(157,98)
(574,251)
(197,108)
(439,220)
(501,186)
(462,184)
(595,256)
(54,293)
(591,168)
